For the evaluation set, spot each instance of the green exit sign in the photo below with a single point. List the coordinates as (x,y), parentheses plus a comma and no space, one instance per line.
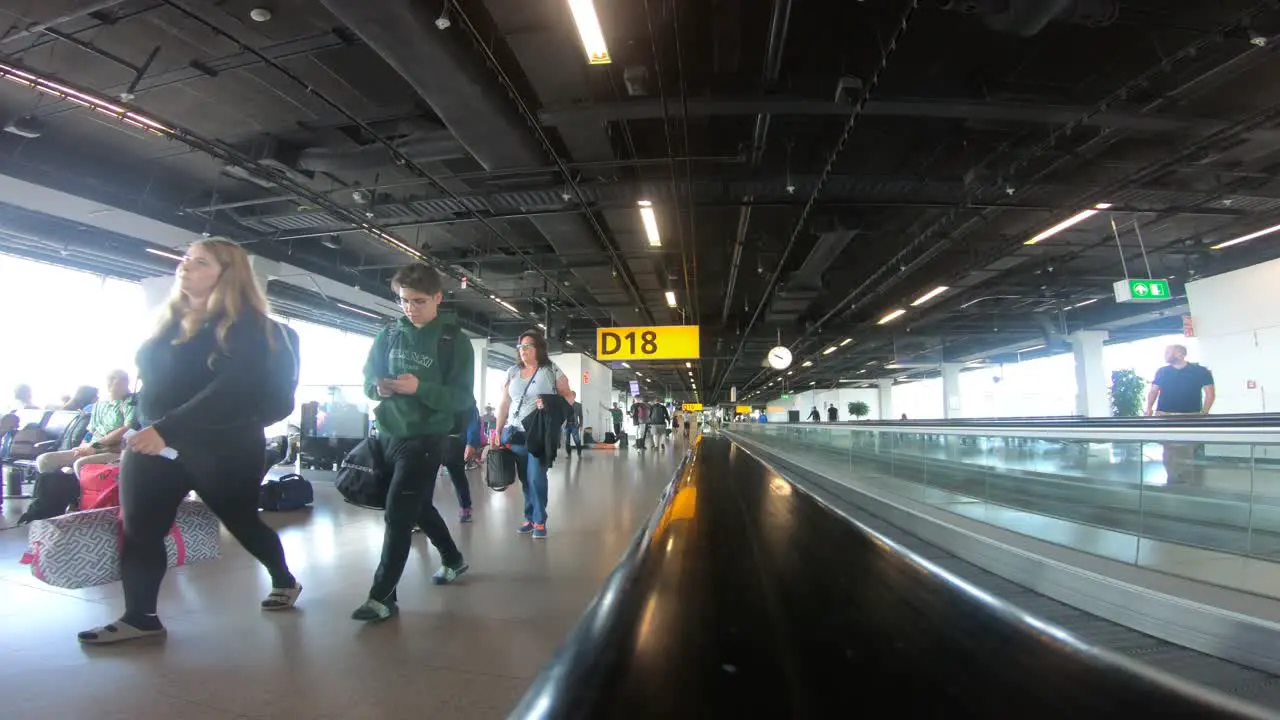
(1142,290)
(786,396)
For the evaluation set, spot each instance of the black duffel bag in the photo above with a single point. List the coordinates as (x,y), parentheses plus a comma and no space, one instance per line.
(499,468)
(363,478)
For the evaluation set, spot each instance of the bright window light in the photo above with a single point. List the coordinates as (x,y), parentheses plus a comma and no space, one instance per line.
(650,223)
(671,299)
(162,253)
(1078,217)
(891,316)
(930,295)
(584,16)
(1245,238)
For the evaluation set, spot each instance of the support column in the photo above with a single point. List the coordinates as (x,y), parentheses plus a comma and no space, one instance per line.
(951,401)
(885,387)
(1091,374)
(480,349)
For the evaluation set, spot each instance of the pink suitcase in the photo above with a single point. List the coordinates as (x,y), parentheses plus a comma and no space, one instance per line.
(82,549)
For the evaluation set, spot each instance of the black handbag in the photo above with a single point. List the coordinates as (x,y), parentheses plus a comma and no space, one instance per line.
(499,468)
(363,478)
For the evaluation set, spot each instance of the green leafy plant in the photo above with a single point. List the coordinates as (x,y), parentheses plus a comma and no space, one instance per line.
(859,409)
(1127,389)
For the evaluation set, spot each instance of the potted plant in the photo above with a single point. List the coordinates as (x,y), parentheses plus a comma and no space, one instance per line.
(1126,393)
(859,409)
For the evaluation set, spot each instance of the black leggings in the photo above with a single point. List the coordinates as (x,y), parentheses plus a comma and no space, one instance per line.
(415,462)
(227,473)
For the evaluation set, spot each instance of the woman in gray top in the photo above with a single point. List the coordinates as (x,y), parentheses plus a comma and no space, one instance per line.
(532,376)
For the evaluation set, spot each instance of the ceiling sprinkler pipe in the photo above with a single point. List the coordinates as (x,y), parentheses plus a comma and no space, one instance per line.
(1025,18)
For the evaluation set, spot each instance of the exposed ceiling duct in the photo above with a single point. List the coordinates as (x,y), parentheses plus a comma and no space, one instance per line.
(1028,17)
(804,285)
(430,146)
(463,93)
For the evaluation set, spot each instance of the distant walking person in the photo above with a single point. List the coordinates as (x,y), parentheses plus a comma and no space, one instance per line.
(456,466)
(533,378)
(1180,388)
(813,415)
(616,413)
(203,373)
(422,386)
(573,430)
(833,413)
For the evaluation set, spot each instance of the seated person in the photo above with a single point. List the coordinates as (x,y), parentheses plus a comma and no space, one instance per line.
(111,418)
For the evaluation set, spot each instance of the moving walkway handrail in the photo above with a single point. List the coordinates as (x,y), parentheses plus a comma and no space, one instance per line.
(1161,429)
(698,620)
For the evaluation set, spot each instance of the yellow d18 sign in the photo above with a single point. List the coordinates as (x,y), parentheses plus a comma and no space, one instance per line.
(670,342)
(743,410)
(693,407)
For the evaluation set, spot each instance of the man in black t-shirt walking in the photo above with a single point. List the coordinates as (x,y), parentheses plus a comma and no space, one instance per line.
(1180,388)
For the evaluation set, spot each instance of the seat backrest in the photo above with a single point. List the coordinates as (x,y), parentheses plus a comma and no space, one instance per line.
(61,425)
(33,416)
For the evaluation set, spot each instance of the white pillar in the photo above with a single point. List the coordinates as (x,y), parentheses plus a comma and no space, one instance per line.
(951,401)
(480,349)
(885,387)
(1091,374)
(155,291)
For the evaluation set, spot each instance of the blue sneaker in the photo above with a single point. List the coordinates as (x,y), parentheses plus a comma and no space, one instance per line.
(525,529)
(539,531)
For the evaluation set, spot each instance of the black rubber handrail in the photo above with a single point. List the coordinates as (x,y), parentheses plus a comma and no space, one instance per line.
(743,595)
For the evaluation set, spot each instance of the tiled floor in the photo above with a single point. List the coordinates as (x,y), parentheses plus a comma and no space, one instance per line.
(466,651)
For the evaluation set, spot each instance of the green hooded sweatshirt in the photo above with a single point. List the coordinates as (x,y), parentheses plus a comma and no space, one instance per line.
(402,348)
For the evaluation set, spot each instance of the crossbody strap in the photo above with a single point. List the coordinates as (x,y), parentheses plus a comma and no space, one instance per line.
(524,395)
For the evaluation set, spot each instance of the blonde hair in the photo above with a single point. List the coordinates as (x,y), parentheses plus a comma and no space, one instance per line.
(235,296)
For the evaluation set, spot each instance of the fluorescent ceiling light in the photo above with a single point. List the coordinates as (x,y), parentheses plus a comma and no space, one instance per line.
(671,298)
(358,310)
(568,342)
(1245,238)
(829,350)
(891,316)
(930,295)
(626,365)
(544,327)
(1082,304)
(807,363)
(588,23)
(639,374)
(650,222)
(162,253)
(846,341)
(1033,347)
(1078,217)
(894,366)
(688,364)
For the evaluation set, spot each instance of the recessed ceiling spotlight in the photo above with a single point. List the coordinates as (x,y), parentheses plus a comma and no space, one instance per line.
(260,14)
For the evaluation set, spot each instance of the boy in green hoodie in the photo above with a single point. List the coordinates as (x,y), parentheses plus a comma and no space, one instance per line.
(420,396)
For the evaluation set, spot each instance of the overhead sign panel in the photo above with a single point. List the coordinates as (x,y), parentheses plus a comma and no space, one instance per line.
(743,410)
(693,407)
(669,342)
(1142,290)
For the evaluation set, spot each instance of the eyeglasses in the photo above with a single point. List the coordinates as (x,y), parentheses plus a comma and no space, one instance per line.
(527,346)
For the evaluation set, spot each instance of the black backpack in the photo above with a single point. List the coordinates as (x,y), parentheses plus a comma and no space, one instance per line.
(282,376)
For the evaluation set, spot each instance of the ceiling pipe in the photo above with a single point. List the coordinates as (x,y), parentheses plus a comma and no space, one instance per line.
(778,23)
(899,31)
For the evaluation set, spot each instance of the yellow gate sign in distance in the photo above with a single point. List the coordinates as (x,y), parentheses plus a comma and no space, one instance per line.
(743,410)
(660,342)
(693,407)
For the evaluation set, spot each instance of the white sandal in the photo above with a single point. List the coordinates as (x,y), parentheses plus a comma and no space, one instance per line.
(282,598)
(116,632)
